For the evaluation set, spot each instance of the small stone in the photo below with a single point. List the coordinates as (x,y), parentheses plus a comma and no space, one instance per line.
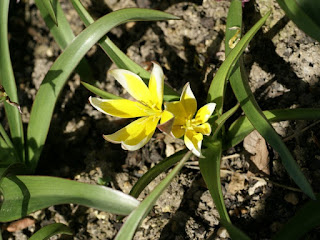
(291,198)
(222,232)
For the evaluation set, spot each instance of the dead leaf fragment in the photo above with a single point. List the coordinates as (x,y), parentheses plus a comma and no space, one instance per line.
(20,224)
(237,183)
(255,144)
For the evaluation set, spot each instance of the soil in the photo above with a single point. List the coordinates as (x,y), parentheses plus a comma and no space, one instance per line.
(283,66)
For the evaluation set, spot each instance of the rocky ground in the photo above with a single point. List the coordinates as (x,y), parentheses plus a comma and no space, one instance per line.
(283,66)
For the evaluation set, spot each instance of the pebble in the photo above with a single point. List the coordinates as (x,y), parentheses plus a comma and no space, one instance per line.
(291,198)
(223,233)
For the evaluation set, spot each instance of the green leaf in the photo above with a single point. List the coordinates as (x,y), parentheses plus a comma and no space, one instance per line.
(51,10)
(59,72)
(23,195)
(305,14)
(217,86)
(63,35)
(13,168)
(7,151)
(219,123)
(99,92)
(51,230)
(151,174)
(135,218)
(305,219)
(210,171)
(242,126)
(241,89)
(118,57)
(8,82)
(60,29)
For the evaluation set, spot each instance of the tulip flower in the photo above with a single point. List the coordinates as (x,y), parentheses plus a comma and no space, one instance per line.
(185,125)
(147,108)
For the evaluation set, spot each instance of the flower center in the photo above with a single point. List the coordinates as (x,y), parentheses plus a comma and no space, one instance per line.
(189,124)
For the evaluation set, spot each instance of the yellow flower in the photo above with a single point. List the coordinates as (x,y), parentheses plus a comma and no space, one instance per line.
(148,107)
(193,129)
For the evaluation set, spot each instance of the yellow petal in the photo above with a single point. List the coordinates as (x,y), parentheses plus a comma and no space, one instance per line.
(204,113)
(177,131)
(166,116)
(204,129)
(156,85)
(136,134)
(134,85)
(188,101)
(193,142)
(122,108)
(177,109)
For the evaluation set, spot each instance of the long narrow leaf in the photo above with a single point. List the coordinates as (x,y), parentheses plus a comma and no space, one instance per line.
(242,126)
(115,54)
(252,110)
(25,194)
(99,92)
(217,87)
(63,35)
(219,123)
(59,72)
(210,171)
(118,57)
(51,10)
(151,174)
(8,82)
(135,218)
(305,219)
(50,230)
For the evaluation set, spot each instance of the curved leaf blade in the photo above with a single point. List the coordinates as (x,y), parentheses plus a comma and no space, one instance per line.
(240,128)
(25,194)
(49,5)
(210,171)
(59,72)
(50,230)
(151,174)
(216,90)
(118,57)
(7,80)
(135,218)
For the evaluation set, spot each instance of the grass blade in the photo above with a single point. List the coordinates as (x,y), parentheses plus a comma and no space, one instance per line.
(51,10)
(219,123)
(59,72)
(99,92)
(210,171)
(25,194)
(305,219)
(161,167)
(117,56)
(217,86)
(250,107)
(50,230)
(135,218)
(8,82)
(240,128)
